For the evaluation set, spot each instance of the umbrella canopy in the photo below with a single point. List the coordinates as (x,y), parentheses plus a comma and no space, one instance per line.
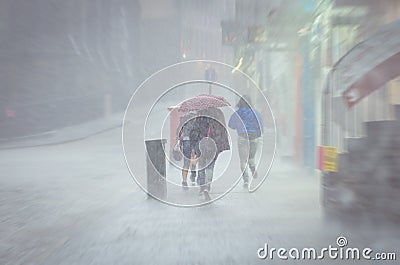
(202,102)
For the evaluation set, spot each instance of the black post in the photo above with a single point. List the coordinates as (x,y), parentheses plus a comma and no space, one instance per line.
(156,169)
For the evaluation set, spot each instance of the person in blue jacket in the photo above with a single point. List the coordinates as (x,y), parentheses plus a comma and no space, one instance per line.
(248,124)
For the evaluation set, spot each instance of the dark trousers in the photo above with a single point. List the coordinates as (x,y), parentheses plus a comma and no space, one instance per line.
(205,174)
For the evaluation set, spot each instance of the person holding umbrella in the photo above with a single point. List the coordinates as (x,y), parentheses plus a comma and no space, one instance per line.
(208,137)
(248,124)
(183,137)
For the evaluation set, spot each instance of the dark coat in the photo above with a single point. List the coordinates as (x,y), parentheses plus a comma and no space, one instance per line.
(185,125)
(210,119)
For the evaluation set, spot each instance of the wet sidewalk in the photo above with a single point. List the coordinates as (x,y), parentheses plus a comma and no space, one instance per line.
(76,203)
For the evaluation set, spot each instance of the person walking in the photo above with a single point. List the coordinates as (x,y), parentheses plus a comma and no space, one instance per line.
(209,137)
(249,126)
(185,126)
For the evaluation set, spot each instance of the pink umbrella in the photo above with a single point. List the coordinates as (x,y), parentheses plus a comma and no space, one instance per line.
(203,101)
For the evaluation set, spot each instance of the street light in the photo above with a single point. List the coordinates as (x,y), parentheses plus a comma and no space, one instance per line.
(210,75)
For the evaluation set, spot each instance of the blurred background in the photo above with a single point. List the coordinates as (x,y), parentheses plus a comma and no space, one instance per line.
(69,68)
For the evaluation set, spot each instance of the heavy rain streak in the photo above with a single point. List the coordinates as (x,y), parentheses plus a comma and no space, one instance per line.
(199,132)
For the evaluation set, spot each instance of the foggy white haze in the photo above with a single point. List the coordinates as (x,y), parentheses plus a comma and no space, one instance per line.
(85,86)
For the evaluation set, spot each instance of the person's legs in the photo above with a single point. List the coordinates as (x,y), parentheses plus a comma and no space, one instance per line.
(243,146)
(205,176)
(192,168)
(201,178)
(186,162)
(253,144)
(201,170)
(184,178)
(209,172)
(202,173)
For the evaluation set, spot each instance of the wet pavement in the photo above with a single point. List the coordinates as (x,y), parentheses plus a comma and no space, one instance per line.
(75,203)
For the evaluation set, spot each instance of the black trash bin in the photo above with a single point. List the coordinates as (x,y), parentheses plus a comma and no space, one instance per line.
(156,169)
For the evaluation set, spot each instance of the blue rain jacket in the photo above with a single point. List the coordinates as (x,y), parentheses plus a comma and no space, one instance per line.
(247,122)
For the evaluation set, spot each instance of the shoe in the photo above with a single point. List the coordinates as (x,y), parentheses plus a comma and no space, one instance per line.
(207,195)
(185,185)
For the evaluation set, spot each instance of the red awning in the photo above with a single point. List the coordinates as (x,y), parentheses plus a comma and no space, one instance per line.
(366,67)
